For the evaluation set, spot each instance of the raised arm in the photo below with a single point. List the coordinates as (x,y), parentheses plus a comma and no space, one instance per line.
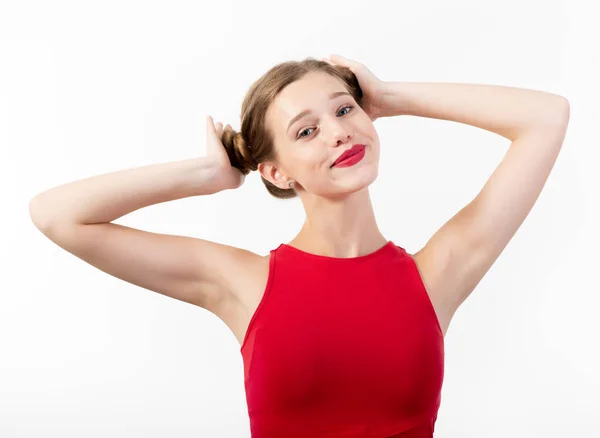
(77,217)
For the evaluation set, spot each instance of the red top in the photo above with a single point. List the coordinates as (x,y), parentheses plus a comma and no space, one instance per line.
(343,347)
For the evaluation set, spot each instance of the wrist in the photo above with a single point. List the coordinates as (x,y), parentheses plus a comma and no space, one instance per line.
(203,176)
(394,101)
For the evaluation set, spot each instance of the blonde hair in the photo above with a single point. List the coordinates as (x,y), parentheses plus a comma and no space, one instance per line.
(254,143)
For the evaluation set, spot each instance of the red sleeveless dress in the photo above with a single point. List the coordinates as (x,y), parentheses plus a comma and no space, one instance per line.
(343,347)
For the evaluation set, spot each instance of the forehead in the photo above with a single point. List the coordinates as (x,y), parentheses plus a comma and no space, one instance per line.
(308,93)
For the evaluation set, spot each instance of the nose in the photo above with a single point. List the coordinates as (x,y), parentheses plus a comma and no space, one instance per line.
(341,133)
(343,138)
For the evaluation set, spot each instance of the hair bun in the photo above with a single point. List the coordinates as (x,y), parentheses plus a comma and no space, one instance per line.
(239,154)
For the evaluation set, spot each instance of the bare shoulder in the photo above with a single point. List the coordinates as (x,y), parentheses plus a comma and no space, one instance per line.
(433,267)
(245,278)
(241,272)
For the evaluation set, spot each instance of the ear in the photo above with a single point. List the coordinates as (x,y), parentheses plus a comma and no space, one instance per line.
(271,173)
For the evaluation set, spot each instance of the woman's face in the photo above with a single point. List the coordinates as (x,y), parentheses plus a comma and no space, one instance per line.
(308,145)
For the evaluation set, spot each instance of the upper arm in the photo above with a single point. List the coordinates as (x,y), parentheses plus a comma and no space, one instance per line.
(185,268)
(462,251)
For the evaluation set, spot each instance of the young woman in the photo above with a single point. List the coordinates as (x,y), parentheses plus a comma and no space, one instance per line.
(341,331)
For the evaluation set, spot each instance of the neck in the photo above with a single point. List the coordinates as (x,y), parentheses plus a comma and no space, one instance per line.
(342,228)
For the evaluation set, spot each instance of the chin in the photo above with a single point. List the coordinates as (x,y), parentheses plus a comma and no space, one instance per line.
(362,181)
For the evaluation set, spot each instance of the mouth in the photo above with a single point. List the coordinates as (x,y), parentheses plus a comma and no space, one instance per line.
(354,150)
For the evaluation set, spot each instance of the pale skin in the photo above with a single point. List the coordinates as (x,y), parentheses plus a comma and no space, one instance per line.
(340,221)
(339,215)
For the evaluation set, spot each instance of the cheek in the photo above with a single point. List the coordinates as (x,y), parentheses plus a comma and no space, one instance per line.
(371,129)
(375,137)
(305,164)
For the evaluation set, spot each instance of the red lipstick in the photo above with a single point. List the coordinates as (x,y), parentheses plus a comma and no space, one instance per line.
(350,156)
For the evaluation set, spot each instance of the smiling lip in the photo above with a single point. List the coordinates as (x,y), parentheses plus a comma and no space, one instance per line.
(355,149)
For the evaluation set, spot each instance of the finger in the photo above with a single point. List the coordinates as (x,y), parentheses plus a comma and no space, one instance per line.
(338,59)
(210,133)
(211,125)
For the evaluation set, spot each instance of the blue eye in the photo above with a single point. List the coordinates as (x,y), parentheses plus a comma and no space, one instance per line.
(349,107)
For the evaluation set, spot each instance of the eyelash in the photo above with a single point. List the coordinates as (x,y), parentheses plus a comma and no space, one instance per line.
(305,129)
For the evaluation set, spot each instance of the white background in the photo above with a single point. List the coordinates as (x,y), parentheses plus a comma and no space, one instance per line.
(92,87)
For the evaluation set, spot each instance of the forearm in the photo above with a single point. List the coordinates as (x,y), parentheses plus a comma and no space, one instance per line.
(506,111)
(106,197)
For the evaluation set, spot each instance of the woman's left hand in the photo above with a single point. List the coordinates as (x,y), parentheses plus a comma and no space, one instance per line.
(372,88)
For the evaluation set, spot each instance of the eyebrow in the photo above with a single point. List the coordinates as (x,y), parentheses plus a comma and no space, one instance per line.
(307,111)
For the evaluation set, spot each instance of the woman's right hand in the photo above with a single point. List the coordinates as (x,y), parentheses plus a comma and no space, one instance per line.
(227,176)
